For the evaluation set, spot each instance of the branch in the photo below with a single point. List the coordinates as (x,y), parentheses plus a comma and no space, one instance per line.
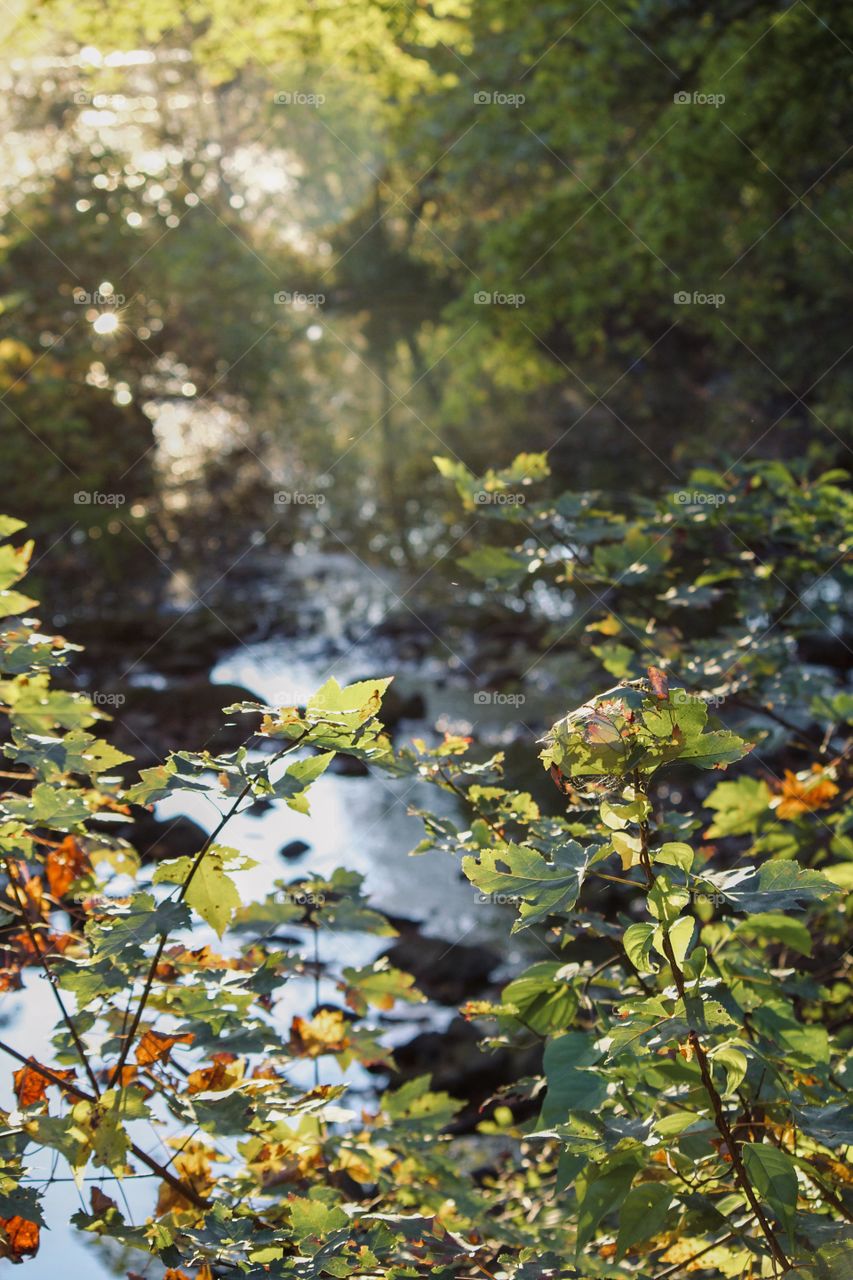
(182,1188)
(698,1048)
(40,951)
(199,858)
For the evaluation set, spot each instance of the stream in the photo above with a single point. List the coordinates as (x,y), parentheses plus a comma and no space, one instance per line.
(359,822)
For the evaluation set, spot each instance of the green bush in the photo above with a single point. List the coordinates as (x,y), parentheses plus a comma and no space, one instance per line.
(694,1109)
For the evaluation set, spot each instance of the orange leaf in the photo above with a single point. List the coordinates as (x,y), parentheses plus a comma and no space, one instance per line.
(660,684)
(31,1085)
(22,1236)
(326,1032)
(804,795)
(10,979)
(64,865)
(192,1164)
(46,944)
(215,1079)
(156,1045)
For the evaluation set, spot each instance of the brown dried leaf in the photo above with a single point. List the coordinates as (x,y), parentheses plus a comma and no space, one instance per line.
(156,1045)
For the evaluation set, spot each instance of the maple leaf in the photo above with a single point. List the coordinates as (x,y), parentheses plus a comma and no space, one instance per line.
(192,1165)
(31,1086)
(156,1045)
(22,1237)
(326,1032)
(804,794)
(224,1074)
(65,864)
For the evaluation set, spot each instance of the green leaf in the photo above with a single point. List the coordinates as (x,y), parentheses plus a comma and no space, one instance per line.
(628,847)
(637,941)
(598,1193)
(680,936)
(571,1085)
(773,1174)
(666,900)
(211,891)
(643,1214)
(774,927)
(378,984)
(60,808)
(779,885)
(351,706)
(495,564)
(543,996)
(674,854)
(293,785)
(740,807)
(734,1063)
(516,871)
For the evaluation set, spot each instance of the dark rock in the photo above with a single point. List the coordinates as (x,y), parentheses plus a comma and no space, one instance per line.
(186,715)
(158,838)
(397,706)
(446,972)
(293,849)
(456,1064)
(349,766)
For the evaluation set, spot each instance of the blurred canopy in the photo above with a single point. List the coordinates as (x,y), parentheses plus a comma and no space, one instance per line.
(390,163)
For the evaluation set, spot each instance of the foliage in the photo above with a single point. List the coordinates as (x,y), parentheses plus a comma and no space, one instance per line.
(166,987)
(401,198)
(694,1105)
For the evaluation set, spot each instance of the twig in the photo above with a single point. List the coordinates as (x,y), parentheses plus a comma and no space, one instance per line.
(41,952)
(182,1188)
(199,858)
(698,1048)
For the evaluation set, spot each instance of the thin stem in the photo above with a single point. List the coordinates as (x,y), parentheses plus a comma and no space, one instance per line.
(698,1048)
(316,931)
(41,952)
(182,1188)
(199,858)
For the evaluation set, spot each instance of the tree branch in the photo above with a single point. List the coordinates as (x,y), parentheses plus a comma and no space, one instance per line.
(182,1188)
